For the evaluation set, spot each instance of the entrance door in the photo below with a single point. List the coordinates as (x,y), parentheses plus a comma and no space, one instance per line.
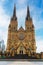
(21,51)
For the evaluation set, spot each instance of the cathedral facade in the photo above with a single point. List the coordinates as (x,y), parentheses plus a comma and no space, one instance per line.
(21,41)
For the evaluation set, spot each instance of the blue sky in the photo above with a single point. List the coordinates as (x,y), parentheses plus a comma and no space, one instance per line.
(36,12)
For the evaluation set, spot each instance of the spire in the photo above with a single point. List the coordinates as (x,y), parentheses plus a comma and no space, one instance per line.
(14,13)
(28,13)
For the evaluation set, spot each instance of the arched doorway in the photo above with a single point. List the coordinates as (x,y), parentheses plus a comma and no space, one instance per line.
(21,51)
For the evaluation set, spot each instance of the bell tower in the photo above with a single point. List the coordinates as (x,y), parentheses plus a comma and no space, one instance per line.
(29,27)
(12,29)
(14,23)
(28,21)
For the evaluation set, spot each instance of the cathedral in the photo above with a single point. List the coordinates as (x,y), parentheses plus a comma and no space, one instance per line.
(21,41)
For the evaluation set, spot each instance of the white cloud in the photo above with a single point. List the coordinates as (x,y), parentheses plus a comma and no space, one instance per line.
(36,16)
(4,22)
(21,1)
(21,15)
(4,19)
(39,44)
(38,24)
(3,35)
